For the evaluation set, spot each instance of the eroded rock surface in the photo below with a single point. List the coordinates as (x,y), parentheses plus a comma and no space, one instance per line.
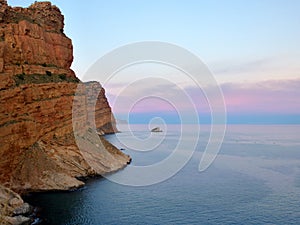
(38,149)
(13,211)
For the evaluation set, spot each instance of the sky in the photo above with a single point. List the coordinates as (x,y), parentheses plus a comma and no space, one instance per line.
(251,47)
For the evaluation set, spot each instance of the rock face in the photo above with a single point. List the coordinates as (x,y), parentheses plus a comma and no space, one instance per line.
(98,109)
(12,208)
(38,108)
(32,42)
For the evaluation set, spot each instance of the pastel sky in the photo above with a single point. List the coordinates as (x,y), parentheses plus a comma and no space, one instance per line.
(251,47)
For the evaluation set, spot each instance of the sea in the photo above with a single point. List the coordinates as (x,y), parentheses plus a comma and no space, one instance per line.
(254,179)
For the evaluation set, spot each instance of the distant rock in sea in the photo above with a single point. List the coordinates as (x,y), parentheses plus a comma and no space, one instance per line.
(156,130)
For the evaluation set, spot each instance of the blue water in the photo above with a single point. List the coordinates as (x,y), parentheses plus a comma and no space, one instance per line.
(255,179)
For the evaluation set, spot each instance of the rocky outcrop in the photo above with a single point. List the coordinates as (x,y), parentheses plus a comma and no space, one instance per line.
(42,101)
(32,42)
(97,109)
(13,210)
(156,130)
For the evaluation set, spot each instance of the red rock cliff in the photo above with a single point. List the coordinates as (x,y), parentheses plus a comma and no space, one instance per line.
(38,149)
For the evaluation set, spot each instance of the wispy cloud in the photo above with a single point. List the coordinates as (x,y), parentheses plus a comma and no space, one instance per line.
(155,97)
(273,96)
(257,70)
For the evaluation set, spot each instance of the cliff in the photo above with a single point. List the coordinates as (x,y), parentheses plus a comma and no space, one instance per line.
(39,150)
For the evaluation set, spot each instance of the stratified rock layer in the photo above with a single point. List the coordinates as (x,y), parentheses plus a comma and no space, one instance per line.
(38,109)
(32,42)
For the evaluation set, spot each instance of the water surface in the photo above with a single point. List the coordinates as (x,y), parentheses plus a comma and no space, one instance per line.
(254,180)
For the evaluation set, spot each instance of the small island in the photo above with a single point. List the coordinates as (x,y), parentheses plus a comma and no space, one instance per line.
(156,130)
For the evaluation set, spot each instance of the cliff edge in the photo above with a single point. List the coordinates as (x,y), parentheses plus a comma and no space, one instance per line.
(39,150)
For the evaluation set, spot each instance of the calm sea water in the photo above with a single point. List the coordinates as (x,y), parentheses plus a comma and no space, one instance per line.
(254,180)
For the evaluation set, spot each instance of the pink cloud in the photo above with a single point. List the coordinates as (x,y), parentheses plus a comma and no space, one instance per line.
(273,96)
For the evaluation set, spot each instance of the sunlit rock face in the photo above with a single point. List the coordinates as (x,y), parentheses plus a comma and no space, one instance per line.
(37,87)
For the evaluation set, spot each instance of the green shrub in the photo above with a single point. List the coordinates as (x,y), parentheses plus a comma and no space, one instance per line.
(20,76)
(62,76)
(21,79)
